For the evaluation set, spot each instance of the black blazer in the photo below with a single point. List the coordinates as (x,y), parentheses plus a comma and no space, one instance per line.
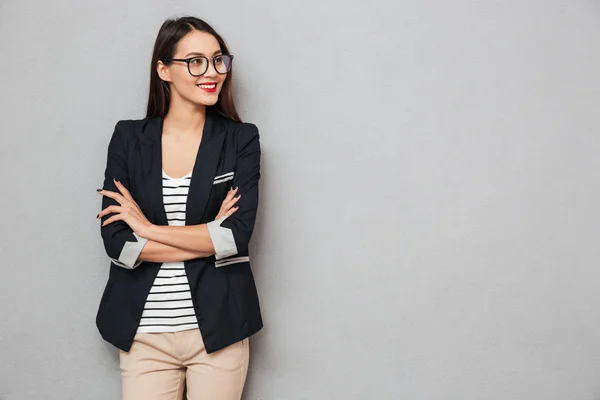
(224,297)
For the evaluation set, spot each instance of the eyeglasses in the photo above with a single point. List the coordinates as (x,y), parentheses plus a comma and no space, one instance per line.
(198,65)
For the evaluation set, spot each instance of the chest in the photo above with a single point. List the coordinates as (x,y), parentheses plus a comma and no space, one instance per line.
(179,154)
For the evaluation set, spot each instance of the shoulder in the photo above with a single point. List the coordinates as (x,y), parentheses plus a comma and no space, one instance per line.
(240,132)
(128,130)
(131,126)
(240,128)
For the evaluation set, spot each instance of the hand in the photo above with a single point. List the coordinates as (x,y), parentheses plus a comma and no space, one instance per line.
(227,207)
(128,211)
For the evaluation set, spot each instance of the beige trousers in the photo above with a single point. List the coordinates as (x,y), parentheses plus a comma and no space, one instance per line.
(159,365)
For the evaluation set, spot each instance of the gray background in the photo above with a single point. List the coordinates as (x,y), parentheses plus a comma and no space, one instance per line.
(429,218)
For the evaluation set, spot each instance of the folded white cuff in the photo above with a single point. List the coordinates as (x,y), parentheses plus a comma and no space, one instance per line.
(130,253)
(222,239)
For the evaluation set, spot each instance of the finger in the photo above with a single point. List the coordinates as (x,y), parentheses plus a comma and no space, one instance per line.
(227,199)
(123,190)
(232,202)
(116,196)
(112,219)
(109,210)
(226,207)
(230,194)
(127,195)
(231,211)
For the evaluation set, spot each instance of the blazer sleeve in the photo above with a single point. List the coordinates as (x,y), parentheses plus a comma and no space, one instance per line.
(231,235)
(122,245)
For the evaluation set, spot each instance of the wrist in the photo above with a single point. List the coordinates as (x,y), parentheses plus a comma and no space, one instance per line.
(149,231)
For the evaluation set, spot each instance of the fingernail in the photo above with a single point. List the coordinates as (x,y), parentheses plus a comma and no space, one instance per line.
(98,190)
(97,215)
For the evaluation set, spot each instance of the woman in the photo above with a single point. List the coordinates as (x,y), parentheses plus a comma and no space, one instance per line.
(179,203)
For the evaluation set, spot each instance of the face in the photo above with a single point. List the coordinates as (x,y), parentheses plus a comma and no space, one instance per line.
(200,90)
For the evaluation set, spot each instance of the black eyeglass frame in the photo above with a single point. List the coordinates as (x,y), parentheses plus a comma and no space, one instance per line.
(188,60)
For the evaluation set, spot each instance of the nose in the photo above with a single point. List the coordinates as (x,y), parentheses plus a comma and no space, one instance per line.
(211,71)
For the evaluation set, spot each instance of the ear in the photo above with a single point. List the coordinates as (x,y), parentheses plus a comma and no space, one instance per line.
(163,71)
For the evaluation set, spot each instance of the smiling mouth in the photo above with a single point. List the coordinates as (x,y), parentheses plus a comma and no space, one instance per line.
(207,86)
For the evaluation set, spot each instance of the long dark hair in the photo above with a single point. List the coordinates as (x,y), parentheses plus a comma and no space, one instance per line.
(170,33)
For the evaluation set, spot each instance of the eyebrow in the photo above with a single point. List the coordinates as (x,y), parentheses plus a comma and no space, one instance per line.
(195,53)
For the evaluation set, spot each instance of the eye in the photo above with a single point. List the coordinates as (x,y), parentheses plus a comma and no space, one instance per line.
(197,61)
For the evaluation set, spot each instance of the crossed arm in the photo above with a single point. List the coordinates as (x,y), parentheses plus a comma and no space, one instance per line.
(160,252)
(164,243)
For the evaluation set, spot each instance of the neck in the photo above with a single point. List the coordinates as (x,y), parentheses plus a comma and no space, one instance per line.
(184,118)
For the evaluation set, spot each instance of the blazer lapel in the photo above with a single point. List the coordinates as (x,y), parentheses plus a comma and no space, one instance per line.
(152,161)
(204,170)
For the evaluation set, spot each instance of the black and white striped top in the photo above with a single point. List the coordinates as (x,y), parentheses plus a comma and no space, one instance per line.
(169,305)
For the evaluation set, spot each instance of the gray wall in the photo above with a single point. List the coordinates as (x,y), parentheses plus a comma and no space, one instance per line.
(429,218)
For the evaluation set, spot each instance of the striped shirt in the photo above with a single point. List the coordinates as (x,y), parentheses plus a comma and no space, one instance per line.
(169,305)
